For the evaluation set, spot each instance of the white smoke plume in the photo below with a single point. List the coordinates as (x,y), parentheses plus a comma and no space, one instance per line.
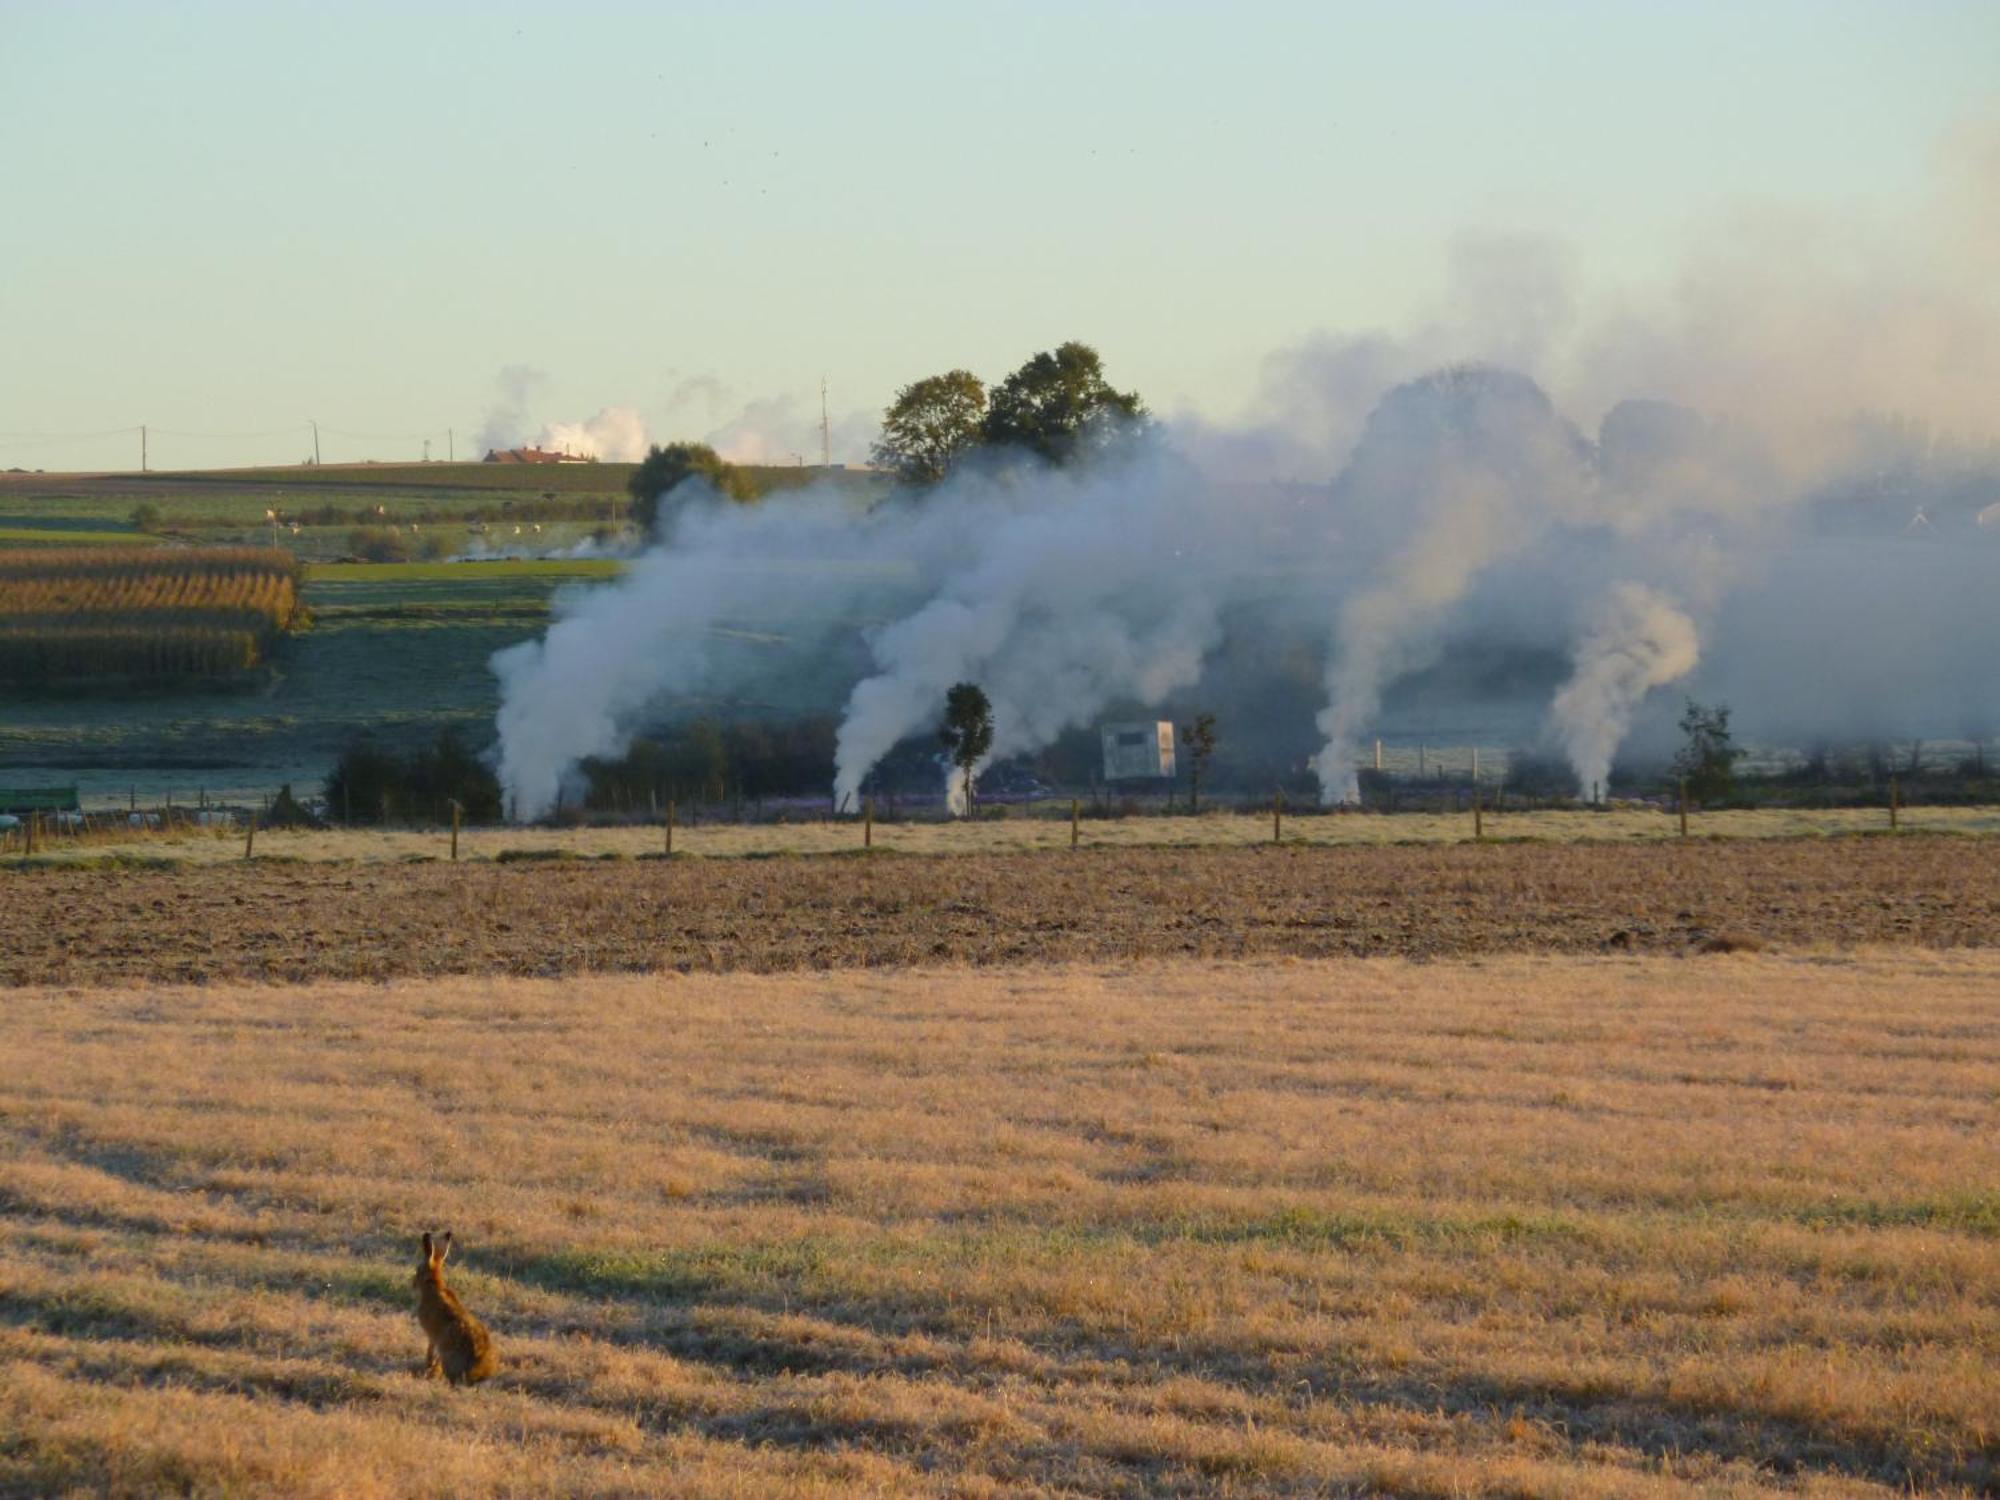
(1635,639)
(507,422)
(1080,588)
(617,434)
(1056,590)
(1455,472)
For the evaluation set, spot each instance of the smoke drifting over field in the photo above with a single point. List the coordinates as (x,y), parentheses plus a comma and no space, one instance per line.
(1757,479)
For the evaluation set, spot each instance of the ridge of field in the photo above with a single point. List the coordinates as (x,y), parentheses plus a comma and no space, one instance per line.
(239,498)
(1025,828)
(127,920)
(1583,1227)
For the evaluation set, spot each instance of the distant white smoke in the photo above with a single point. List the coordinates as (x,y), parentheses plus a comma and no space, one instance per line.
(506,421)
(1636,639)
(615,435)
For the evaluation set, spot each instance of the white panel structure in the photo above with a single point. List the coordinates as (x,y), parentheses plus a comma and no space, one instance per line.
(1139,752)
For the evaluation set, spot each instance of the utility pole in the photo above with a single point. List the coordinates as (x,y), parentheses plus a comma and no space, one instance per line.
(142,447)
(825,432)
(427,450)
(450,448)
(315,442)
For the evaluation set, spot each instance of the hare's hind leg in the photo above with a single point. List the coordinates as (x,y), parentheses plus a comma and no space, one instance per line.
(433,1365)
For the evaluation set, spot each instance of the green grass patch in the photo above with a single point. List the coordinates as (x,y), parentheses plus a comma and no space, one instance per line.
(1349,1229)
(48,536)
(463,572)
(1974,1213)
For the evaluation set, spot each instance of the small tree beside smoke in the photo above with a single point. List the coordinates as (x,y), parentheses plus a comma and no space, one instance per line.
(1198,739)
(1707,758)
(664,469)
(966,734)
(1059,405)
(931,425)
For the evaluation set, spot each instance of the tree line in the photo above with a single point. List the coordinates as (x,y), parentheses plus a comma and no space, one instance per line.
(1058,407)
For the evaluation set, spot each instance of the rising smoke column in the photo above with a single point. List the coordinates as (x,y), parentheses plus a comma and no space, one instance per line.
(1453,473)
(662,628)
(1635,639)
(1085,586)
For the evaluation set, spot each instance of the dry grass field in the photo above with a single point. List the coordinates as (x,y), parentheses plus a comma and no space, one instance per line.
(305,921)
(1544,1227)
(1024,831)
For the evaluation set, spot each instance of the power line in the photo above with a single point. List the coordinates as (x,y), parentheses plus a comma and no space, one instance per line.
(67,437)
(272,432)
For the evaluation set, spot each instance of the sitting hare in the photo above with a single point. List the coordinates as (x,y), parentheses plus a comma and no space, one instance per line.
(460,1347)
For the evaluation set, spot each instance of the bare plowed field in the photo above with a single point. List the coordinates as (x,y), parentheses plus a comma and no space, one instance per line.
(304,922)
(1549,1228)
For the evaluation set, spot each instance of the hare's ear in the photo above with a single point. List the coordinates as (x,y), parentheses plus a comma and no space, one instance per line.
(445,1248)
(427,1247)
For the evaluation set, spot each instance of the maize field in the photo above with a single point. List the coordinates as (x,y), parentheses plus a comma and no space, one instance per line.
(147,613)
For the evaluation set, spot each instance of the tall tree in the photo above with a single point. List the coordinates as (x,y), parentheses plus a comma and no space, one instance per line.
(1707,757)
(930,425)
(1199,738)
(967,733)
(664,469)
(1059,405)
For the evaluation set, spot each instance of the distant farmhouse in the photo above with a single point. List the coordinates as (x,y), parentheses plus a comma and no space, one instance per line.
(531,456)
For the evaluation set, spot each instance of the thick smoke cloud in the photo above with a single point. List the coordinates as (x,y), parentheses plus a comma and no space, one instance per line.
(1763,485)
(1075,589)
(1057,591)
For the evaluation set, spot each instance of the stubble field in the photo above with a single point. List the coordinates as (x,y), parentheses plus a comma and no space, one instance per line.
(1528,1226)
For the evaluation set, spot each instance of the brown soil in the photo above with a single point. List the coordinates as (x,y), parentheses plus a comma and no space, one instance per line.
(302,922)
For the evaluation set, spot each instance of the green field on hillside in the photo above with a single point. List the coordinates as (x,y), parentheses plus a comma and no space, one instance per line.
(535,514)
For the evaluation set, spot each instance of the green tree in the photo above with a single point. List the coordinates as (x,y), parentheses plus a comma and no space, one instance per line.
(1707,757)
(930,425)
(664,469)
(366,784)
(1199,739)
(145,516)
(967,733)
(1059,405)
(449,772)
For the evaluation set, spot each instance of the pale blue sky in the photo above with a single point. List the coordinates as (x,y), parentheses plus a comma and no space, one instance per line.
(228,218)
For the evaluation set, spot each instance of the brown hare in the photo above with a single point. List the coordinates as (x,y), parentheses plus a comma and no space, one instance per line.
(460,1347)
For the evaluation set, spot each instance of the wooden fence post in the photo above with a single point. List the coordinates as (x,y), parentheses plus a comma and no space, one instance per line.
(1684,807)
(1075,820)
(1478,818)
(250,838)
(33,818)
(1278,816)
(1895,801)
(456,810)
(868,823)
(670,826)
